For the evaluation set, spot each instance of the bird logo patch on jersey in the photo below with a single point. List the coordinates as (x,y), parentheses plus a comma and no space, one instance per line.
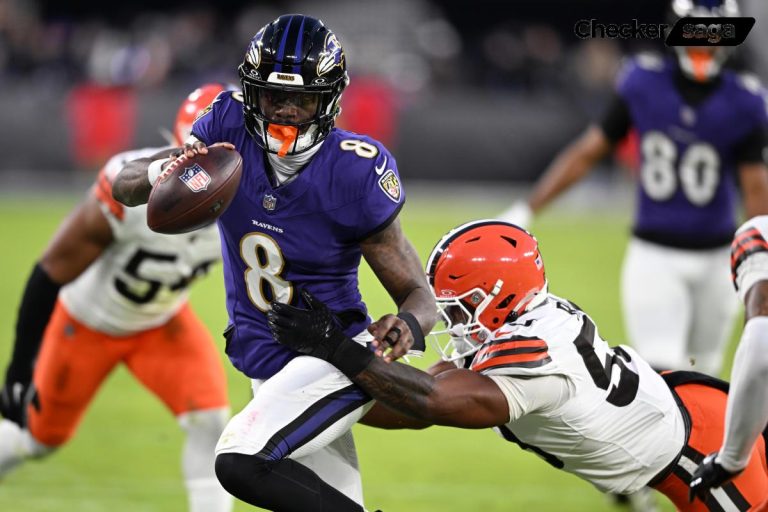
(195,178)
(390,185)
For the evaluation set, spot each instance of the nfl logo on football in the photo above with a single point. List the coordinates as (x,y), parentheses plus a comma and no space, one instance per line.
(195,178)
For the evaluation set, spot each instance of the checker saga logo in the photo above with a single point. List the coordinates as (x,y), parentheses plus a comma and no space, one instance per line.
(195,178)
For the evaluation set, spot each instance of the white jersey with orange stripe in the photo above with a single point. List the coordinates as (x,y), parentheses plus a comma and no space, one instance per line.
(749,254)
(599,412)
(141,280)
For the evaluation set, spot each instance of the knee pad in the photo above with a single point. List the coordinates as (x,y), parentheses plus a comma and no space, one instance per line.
(237,472)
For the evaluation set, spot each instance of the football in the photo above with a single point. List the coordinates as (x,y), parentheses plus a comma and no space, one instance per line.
(193,192)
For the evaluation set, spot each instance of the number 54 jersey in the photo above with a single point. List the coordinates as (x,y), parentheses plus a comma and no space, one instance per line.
(601,413)
(141,279)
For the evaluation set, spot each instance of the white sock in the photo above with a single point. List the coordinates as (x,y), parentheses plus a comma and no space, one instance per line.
(207,495)
(204,491)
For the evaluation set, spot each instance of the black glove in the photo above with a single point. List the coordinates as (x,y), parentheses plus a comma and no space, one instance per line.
(16,396)
(709,474)
(316,332)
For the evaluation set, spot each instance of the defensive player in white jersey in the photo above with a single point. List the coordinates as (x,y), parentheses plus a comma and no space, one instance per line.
(747,412)
(108,290)
(533,367)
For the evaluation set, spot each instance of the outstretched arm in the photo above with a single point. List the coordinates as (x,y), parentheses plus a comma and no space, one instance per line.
(381,416)
(570,166)
(393,259)
(457,397)
(747,410)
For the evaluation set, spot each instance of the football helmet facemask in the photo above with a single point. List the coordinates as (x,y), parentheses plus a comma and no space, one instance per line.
(483,274)
(194,105)
(293,74)
(702,63)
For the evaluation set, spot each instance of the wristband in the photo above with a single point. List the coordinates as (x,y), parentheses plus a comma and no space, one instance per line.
(155,169)
(418,335)
(350,358)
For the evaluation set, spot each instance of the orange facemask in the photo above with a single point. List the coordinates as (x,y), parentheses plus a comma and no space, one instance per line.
(285,134)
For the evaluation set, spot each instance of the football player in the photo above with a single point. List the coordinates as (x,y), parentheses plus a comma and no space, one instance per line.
(313,200)
(747,411)
(533,367)
(702,132)
(106,291)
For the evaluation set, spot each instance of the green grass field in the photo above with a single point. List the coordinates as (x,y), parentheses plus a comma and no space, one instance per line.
(125,456)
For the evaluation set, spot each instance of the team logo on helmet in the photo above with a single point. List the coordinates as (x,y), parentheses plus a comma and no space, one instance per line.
(332,56)
(195,178)
(253,56)
(390,185)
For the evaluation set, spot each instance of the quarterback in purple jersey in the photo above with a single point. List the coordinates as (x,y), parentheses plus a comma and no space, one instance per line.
(702,132)
(313,200)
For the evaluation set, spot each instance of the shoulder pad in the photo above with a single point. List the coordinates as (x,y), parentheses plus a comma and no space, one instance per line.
(649,61)
(750,82)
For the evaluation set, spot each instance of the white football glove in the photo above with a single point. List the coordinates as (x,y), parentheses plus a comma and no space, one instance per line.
(519,214)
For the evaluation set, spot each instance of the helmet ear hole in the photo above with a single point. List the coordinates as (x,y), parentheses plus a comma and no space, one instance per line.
(504,303)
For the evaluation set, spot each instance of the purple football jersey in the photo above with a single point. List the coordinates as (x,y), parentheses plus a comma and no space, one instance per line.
(688,184)
(302,234)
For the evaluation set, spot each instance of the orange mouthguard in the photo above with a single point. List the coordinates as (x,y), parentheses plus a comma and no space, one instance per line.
(285,134)
(701,62)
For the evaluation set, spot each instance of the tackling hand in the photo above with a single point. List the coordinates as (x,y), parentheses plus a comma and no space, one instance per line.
(709,474)
(313,332)
(16,396)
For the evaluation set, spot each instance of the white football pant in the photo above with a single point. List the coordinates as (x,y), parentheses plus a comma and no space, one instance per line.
(679,305)
(304,412)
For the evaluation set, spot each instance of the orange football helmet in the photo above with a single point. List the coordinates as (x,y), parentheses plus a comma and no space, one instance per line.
(483,274)
(195,103)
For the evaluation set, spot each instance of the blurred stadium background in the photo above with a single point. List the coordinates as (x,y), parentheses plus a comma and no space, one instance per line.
(474,99)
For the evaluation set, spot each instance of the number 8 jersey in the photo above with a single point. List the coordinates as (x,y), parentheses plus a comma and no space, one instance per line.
(140,281)
(599,412)
(304,233)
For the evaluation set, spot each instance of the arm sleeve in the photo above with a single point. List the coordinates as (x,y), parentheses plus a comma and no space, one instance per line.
(616,120)
(747,410)
(527,395)
(752,147)
(35,311)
